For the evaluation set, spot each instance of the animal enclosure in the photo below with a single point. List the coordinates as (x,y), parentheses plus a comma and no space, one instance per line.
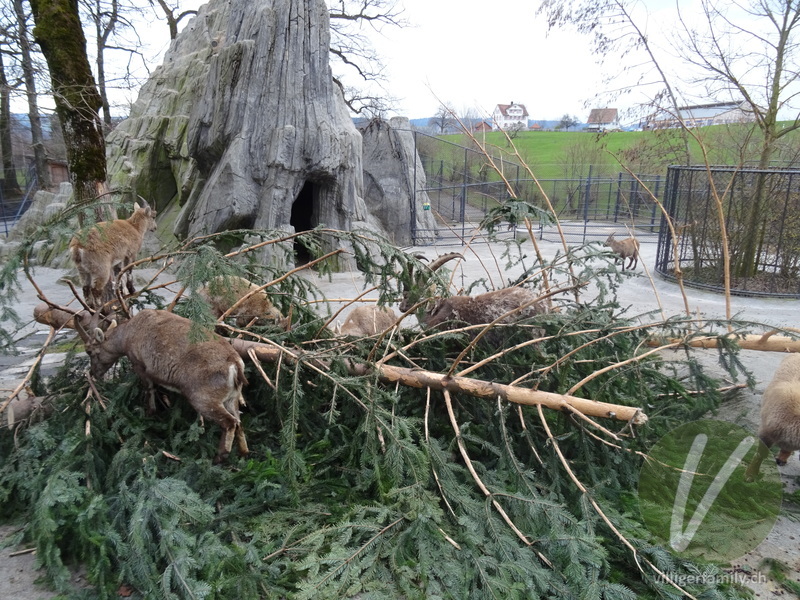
(462,188)
(758,211)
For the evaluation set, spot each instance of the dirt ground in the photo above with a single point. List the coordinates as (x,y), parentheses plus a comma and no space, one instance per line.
(18,572)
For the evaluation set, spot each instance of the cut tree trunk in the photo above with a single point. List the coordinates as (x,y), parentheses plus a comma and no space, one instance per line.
(59,317)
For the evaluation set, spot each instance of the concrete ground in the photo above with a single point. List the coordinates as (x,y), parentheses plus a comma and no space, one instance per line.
(640,292)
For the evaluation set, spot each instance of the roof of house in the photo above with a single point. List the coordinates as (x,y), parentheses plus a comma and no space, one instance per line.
(602,115)
(702,111)
(504,109)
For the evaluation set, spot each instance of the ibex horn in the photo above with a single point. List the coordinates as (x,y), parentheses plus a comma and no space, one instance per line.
(443,259)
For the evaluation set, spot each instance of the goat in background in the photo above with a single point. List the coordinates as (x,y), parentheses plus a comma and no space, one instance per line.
(625,249)
(209,374)
(368,320)
(249,301)
(108,247)
(507,304)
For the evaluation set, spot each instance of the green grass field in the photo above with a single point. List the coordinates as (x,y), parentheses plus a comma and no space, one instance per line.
(555,154)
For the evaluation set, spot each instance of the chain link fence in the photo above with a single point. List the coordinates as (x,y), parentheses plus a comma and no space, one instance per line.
(757,211)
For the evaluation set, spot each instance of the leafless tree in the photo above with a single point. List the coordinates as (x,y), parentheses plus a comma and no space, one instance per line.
(29,77)
(444,121)
(60,36)
(352,53)
(567,122)
(10,184)
(616,33)
(750,51)
(173,14)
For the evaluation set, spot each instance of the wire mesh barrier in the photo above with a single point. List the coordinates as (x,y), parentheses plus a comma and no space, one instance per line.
(11,209)
(462,187)
(757,211)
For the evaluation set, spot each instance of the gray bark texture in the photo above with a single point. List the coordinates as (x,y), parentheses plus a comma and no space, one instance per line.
(242,120)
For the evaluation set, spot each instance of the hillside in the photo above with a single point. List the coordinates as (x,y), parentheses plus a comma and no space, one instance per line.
(554,154)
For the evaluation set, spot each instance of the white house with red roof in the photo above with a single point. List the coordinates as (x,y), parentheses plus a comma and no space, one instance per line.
(510,116)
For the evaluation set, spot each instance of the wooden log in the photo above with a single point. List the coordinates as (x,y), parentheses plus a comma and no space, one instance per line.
(418,378)
(472,387)
(768,342)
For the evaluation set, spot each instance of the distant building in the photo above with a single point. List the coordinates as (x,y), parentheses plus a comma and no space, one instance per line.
(602,119)
(481,127)
(510,116)
(535,127)
(702,115)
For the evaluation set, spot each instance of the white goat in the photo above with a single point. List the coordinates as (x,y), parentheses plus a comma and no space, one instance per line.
(248,301)
(210,374)
(626,249)
(367,320)
(780,415)
(104,250)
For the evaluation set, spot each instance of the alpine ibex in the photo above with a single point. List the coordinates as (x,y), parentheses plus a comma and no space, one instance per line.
(625,249)
(780,415)
(364,321)
(249,302)
(507,304)
(104,250)
(210,374)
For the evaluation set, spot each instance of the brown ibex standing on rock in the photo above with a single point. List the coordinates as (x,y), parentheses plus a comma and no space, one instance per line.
(626,249)
(104,250)
(780,415)
(210,374)
(521,303)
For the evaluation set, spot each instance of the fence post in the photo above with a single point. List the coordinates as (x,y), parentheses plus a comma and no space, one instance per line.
(464,197)
(656,193)
(413,207)
(586,201)
(619,196)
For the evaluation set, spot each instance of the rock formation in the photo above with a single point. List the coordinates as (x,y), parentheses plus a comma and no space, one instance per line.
(394,182)
(243,126)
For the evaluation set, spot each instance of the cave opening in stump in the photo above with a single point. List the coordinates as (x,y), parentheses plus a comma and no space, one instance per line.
(302,219)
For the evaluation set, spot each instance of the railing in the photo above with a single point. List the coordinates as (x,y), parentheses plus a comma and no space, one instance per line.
(12,210)
(760,212)
(462,189)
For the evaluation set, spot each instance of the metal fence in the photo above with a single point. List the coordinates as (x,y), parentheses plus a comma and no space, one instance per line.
(11,209)
(756,211)
(463,186)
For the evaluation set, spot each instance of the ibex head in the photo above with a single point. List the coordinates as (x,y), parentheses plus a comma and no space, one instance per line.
(418,286)
(93,332)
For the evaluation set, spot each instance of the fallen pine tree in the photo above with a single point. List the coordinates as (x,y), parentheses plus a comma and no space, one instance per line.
(408,466)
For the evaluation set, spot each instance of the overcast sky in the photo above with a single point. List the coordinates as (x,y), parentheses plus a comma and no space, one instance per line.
(476,54)
(473,54)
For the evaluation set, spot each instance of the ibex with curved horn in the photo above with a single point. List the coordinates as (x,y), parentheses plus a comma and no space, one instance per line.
(507,304)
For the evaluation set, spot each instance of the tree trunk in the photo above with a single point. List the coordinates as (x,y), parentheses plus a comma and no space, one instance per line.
(489,390)
(60,35)
(10,184)
(747,263)
(29,76)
